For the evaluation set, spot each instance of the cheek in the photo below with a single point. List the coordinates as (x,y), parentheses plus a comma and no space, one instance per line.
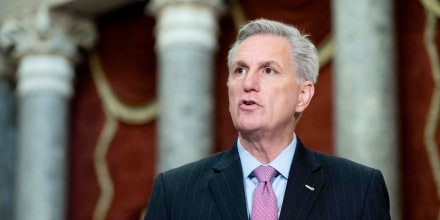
(233,90)
(288,98)
(232,97)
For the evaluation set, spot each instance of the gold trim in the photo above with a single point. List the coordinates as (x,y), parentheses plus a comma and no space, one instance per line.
(114,110)
(128,114)
(238,15)
(434,110)
(432,6)
(326,50)
(102,171)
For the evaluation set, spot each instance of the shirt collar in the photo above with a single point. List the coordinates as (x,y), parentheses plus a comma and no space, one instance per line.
(281,163)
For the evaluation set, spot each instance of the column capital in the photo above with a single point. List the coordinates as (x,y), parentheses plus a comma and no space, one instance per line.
(186,22)
(156,6)
(44,31)
(45,73)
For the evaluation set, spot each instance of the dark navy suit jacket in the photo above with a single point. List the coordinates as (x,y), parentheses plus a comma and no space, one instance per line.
(213,188)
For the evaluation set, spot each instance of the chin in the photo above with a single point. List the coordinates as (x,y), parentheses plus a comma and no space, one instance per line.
(247,128)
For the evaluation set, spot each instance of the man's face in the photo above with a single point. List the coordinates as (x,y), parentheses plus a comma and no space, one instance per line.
(263,90)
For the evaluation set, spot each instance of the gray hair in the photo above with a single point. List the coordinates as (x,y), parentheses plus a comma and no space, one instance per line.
(304,53)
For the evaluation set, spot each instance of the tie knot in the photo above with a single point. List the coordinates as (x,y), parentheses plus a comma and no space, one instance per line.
(264,173)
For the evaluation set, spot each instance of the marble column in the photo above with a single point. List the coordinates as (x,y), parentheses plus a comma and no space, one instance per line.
(44,45)
(365,88)
(186,36)
(7,141)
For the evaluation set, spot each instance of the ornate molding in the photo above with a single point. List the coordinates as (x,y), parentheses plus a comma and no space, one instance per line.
(45,43)
(46,32)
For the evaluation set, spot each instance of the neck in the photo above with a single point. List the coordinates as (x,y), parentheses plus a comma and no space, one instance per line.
(265,149)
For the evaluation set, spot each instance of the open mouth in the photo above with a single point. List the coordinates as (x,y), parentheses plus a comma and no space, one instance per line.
(248,102)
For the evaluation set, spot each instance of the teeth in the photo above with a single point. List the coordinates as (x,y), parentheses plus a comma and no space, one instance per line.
(248,102)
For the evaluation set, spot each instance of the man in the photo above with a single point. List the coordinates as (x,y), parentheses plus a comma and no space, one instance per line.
(272,71)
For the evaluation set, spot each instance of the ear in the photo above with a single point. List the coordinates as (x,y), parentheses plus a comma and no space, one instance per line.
(306,92)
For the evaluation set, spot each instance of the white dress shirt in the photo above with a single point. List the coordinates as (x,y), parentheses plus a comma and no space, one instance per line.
(281,163)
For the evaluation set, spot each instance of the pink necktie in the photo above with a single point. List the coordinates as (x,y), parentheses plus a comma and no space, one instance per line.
(264,206)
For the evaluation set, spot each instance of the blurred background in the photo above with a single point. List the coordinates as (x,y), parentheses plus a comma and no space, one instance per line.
(97,97)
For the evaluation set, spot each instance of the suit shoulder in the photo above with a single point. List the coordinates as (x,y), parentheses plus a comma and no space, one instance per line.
(336,163)
(202,165)
(359,190)
(351,175)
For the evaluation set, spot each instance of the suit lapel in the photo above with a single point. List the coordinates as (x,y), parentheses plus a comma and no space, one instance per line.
(226,184)
(306,180)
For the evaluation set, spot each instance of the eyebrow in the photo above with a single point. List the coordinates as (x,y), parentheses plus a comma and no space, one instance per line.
(238,63)
(264,63)
(269,63)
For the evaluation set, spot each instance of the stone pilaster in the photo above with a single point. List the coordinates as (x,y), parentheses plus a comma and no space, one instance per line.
(7,141)
(365,88)
(44,45)
(186,36)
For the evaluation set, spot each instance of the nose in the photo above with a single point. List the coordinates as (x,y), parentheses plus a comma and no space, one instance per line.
(251,82)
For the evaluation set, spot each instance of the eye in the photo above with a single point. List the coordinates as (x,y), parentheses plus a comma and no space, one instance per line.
(269,71)
(240,71)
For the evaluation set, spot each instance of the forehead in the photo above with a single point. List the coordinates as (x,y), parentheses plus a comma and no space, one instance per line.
(264,46)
